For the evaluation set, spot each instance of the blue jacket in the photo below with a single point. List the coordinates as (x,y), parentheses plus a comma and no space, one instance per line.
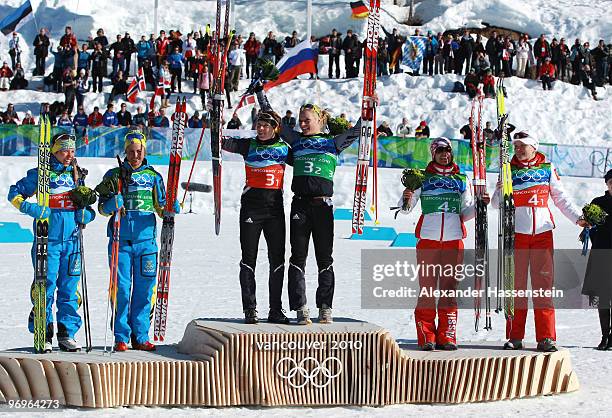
(145,196)
(175,60)
(110,118)
(83,61)
(431,47)
(143,49)
(62,222)
(80,119)
(192,123)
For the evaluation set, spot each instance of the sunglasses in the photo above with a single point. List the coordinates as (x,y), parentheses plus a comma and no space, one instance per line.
(521,135)
(313,107)
(440,150)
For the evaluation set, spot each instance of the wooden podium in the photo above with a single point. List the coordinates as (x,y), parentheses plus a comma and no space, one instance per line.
(223,362)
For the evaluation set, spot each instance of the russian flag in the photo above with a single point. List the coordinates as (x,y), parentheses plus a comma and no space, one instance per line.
(302,59)
(11,22)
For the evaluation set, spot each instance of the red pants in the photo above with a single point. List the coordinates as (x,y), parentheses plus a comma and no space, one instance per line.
(534,255)
(436,253)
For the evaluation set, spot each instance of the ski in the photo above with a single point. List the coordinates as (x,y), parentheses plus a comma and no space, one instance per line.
(368,118)
(39,292)
(220,58)
(481,225)
(111,307)
(167,232)
(505,274)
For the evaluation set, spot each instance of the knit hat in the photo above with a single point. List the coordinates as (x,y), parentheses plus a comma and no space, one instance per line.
(62,142)
(608,175)
(135,137)
(439,143)
(526,139)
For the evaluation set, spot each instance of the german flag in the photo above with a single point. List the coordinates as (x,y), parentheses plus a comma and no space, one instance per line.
(359,10)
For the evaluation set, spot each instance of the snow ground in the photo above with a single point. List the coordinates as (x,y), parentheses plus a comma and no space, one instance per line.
(205,284)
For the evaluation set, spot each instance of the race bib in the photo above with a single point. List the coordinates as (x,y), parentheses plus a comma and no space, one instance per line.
(532,197)
(61,201)
(139,200)
(318,165)
(269,177)
(441,203)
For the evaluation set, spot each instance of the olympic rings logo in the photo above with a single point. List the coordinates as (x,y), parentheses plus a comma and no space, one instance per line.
(63,179)
(314,143)
(535,175)
(298,376)
(142,180)
(268,153)
(444,183)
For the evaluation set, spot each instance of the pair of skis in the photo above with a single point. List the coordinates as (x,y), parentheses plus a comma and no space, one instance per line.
(368,119)
(218,87)
(167,232)
(505,239)
(39,291)
(479,165)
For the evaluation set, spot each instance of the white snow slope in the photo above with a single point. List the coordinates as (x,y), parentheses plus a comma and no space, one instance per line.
(565,115)
(205,284)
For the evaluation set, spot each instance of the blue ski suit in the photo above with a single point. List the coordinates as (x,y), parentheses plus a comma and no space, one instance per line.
(63,260)
(137,266)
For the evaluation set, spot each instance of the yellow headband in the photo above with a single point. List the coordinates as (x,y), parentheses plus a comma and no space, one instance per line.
(135,137)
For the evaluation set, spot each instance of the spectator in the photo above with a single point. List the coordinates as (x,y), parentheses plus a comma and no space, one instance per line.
(68,41)
(270,47)
(203,85)
(98,67)
(586,57)
(119,86)
(335,46)
(124,117)
(466,47)
(561,52)
(588,81)
(237,58)
(109,119)
(161,121)
(547,74)
(41,50)
(5,76)
(491,48)
(422,131)
(403,129)
(471,83)
(358,55)
(118,48)
(82,87)
(431,49)
(69,87)
(195,121)
(384,129)
(189,56)
(140,118)
(466,130)
(522,57)
(46,111)
(488,133)
(18,82)
(152,115)
(80,120)
(165,77)
(576,57)
(84,59)
(251,48)
(488,84)
(349,46)
(382,59)
(95,118)
(506,58)
(292,41)
(439,57)
(64,119)
(10,116)
(143,50)
(234,122)
(161,48)
(288,120)
(128,49)
(480,65)
(15,50)
(601,55)
(28,119)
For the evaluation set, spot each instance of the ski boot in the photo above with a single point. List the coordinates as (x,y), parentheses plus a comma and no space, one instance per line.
(121,346)
(146,346)
(325,315)
(513,345)
(277,316)
(303,316)
(547,345)
(428,346)
(250,316)
(603,345)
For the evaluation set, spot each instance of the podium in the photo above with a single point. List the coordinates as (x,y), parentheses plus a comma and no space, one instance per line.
(223,362)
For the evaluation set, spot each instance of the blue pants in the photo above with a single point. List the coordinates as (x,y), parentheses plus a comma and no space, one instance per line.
(63,275)
(136,282)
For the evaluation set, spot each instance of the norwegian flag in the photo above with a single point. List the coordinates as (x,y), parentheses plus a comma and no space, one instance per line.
(136,86)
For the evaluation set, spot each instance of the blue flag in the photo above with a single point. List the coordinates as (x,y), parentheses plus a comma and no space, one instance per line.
(10,22)
(413,51)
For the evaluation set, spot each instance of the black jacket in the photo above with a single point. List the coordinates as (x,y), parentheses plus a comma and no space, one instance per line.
(598,276)
(41,45)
